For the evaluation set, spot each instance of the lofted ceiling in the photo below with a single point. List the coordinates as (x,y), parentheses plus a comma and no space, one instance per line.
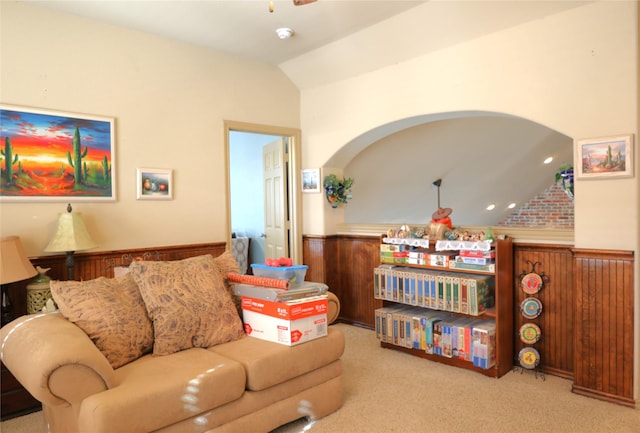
(383,32)
(243,27)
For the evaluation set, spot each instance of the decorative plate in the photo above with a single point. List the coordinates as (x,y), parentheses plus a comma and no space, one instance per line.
(531,283)
(530,333)
(529,358)
(531,308)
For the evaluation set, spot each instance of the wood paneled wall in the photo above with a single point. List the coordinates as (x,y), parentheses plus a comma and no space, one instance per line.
(556,321)
(345,264)
(100,264)
(603,323)
(587,298)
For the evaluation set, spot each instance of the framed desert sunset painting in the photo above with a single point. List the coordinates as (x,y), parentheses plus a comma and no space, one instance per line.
(55,156)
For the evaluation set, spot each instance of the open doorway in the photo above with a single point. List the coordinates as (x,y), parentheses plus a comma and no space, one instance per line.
(246,208)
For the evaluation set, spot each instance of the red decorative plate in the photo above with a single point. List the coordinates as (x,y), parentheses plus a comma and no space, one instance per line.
(531,308)
(529,358)
(530,333)
(531,283)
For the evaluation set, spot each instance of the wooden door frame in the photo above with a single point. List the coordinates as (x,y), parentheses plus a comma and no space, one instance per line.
(293,179)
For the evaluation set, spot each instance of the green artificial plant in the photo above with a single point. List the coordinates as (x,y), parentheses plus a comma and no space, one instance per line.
(337,191)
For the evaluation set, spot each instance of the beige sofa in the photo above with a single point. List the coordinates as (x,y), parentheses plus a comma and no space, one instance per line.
(241,385)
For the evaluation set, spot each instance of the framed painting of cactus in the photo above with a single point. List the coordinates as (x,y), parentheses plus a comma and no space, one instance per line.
(606,157)
(56,156)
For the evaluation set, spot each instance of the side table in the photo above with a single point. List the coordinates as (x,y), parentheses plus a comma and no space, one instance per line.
(15,400)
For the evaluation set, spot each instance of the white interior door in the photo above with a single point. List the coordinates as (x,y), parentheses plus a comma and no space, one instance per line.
(275,199)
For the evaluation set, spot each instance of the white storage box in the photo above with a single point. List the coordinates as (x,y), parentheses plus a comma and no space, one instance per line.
(290,323)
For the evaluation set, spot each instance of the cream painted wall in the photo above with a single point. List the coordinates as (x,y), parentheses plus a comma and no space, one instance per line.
(169,100)
(575,72)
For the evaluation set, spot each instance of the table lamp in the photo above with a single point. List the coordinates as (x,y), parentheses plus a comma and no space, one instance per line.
(71,236)
(15,266)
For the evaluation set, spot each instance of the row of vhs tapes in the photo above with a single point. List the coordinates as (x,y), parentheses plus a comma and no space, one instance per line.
(438,333)
(456,292)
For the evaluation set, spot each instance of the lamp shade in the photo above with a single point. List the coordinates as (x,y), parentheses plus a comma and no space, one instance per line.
(71,235)
(15,266)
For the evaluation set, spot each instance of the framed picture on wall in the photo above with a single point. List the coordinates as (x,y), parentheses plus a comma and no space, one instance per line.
(605,157)
(56,156)
(154,184)
(311,180)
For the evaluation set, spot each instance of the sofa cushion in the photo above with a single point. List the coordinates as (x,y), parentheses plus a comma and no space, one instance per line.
(187,302)
(111,312)
(268,363)
(157,391)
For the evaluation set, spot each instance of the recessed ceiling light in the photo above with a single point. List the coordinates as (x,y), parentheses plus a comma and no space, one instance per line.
(284,32)
(491,206)
(511,206)
(548,160)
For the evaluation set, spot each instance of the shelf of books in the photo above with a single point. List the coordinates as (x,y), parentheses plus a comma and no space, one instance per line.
(450,302)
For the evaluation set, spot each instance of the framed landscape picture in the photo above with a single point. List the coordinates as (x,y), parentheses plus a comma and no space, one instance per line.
(56,156)
(606,157)
(311,180)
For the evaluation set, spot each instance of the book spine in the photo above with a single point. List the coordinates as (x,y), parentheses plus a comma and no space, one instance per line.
(433,289)
(415,331)
(464,296)
(437,338)
(441,292)
(473,297)
(455,281)
(429,334)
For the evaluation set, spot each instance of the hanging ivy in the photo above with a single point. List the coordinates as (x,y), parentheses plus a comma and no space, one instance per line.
(337,191)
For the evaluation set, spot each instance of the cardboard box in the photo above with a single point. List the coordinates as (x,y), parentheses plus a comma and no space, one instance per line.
(290,323)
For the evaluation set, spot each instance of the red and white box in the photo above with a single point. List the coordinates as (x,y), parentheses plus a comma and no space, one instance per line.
(290,323)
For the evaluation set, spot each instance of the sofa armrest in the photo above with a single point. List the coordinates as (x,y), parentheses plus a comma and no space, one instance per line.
(54,359)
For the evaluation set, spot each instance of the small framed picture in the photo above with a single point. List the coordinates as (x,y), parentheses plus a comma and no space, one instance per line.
(311,180)
(606,157)
(154,184)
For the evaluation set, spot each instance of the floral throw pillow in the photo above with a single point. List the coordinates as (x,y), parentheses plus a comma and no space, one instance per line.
(187,303)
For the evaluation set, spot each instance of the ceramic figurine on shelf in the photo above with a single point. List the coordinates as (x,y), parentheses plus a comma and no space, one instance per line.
(441,216)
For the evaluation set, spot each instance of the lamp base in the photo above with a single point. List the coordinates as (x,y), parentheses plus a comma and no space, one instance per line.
(7,307)
(69,263)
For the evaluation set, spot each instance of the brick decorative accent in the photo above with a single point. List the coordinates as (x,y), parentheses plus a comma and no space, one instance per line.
(551,208)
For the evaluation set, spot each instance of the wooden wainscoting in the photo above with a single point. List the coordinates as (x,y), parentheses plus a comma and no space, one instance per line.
(603,323)
(92,265)
(345,263)
(555,262)
(587,318)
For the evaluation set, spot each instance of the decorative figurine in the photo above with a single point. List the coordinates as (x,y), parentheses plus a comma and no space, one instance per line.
(441,216)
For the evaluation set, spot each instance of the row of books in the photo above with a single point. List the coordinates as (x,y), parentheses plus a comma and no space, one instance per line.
(447,291)
(438,333)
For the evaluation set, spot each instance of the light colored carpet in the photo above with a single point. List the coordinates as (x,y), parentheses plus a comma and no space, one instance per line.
(388,391)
